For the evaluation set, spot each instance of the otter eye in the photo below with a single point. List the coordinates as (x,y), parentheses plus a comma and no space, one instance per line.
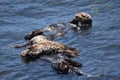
(77,16)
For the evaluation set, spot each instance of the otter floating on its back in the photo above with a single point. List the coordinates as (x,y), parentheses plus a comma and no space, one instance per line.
(82,21)
(54,52)
(41,43)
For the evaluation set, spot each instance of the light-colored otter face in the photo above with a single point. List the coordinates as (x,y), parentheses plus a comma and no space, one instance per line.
(82,20)
(38,39)
(83,16)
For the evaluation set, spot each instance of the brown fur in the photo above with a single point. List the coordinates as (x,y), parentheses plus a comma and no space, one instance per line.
(82,20)
(83,15)
(54,51)
(50,45)
(66,66)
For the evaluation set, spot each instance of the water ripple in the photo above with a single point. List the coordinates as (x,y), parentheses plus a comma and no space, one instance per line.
(99,46)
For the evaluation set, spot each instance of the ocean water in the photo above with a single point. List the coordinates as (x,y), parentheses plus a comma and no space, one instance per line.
(99,46)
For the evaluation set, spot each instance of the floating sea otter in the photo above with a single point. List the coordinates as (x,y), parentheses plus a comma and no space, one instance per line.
(82,21)
(37,40)
(54,52)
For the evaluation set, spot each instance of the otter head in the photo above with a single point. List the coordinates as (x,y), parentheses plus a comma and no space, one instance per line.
(34,33)
(82,20)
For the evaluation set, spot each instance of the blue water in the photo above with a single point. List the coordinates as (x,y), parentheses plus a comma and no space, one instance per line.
(99,46)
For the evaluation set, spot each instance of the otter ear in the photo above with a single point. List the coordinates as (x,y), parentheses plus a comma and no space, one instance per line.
(33,32)
(37,32)
(28,36)
(41,33)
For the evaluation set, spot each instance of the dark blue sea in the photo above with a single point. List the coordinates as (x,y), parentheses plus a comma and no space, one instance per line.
(99,46)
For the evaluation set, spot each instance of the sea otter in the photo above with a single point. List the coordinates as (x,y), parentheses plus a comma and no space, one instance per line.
(82,21)
(38,42)
(56,53)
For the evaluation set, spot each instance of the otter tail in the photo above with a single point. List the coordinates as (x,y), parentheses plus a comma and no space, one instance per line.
(72,52)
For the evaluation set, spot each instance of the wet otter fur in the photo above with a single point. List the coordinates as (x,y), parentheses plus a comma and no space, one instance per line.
(40,44)
(82,21)
(38,41)
(56,53)
(66,66)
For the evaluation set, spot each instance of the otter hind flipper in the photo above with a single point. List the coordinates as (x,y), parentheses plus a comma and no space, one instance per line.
(65,66)
(73,63)
(77,71)
(74,66)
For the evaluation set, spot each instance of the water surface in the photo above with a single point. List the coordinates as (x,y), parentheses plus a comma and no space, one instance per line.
(99,46)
